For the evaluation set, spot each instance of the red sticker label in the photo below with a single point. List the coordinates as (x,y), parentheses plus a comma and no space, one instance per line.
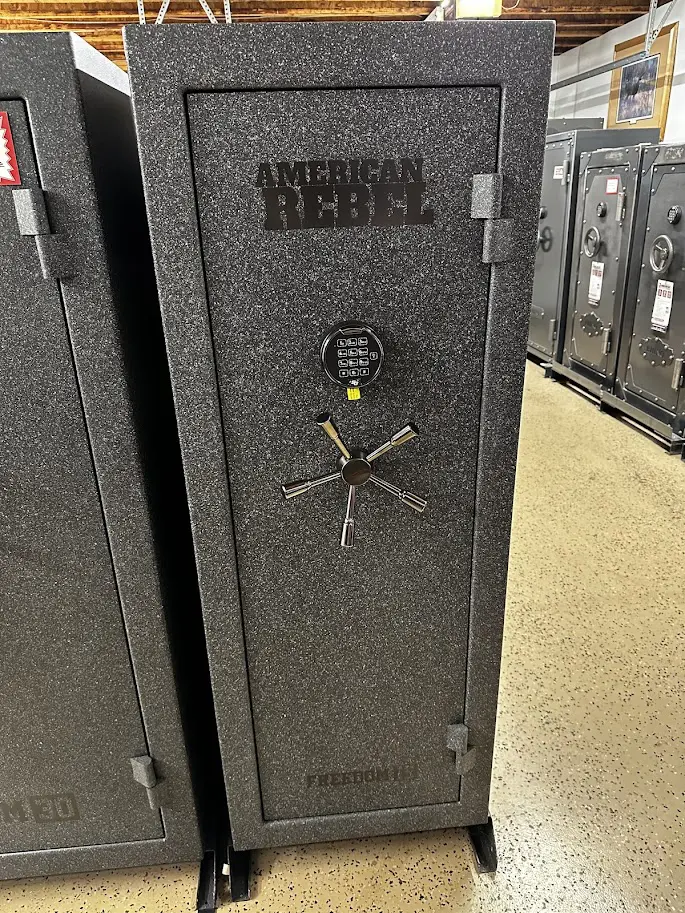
(613,185)
(9,170)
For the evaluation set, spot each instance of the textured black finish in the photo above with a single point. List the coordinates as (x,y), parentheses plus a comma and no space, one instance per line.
(96,566)
(647,375)
(364,86)
(558,205)
(585,356)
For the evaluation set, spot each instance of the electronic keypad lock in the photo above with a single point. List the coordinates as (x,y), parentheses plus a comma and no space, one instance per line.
(352,355)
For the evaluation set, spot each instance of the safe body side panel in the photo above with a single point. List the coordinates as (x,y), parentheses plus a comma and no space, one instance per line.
(40,69)
(164,65)
(66,661)
(550,260)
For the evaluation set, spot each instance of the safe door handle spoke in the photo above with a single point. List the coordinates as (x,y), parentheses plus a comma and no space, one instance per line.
(406,497)
(302,486)
(326,422)
(408,433)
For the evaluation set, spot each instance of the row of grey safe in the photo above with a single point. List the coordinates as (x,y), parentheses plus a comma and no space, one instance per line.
(174,629)
(608,310)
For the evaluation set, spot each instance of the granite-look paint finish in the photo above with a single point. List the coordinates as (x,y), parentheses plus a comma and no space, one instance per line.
(171,64)
(589,776)
(88,596)
(357,658)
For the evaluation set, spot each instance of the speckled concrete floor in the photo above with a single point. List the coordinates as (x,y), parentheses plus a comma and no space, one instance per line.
(589,790)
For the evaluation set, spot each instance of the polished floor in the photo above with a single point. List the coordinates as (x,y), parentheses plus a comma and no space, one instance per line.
(589,790)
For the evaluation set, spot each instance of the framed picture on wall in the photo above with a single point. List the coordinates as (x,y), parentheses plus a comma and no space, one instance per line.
(641,91)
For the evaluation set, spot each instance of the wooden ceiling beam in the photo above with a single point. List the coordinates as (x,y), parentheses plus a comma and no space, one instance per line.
(100,21)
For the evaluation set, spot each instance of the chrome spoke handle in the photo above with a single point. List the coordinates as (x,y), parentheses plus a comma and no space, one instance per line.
(406,497)
(408,433)
(347,536)
(326,422)
(302,486)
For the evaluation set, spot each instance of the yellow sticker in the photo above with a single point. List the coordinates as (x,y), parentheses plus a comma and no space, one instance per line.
(354,393)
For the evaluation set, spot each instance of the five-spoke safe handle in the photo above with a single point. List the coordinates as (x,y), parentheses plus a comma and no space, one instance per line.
(355,469)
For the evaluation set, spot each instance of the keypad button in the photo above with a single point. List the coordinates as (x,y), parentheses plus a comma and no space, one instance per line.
(353,372)
(363,341)
(342,343)
(352,342)
(363,351)
(354,362)
(342,362)
(363,361)
(374,356)
(352,352)
(342,372)
(363,372)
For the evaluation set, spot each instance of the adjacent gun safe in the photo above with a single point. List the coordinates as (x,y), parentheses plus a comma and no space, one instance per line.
(343,219)
(558,203)
(605,219)
(649,383)
(95,772)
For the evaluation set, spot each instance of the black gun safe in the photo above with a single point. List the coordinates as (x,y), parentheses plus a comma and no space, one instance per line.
(649,382)
(558,203)
(343,220)
(94,771)
(605,220)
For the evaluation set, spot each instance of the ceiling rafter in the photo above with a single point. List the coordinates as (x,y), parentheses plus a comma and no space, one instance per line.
(100,21)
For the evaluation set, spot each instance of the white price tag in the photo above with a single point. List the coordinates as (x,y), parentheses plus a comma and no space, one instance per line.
(663,303)
(613,185)
(559,173)
(596,282)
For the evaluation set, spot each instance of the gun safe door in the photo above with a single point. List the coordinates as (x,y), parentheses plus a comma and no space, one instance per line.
(335,338)
(657,346)
(605,219)
(66,776)
(356,657)
(550,260)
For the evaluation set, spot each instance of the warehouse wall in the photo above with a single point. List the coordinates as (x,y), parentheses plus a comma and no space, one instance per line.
(591,97)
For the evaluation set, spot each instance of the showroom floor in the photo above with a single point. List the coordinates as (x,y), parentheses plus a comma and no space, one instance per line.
(588,797)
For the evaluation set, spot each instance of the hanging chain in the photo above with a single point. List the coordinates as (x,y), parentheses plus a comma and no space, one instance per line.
(165,6)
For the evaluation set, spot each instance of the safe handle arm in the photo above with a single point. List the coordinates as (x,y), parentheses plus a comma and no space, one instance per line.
(326,422)
(406,497)
(408,433)
(347,536)
(302,486)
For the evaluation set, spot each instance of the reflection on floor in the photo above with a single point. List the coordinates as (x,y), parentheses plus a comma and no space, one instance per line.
(588,797)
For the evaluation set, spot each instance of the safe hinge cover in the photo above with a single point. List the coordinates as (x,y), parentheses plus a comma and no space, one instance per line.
(486,204)
(458,742)
(32,218)
(144,773)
